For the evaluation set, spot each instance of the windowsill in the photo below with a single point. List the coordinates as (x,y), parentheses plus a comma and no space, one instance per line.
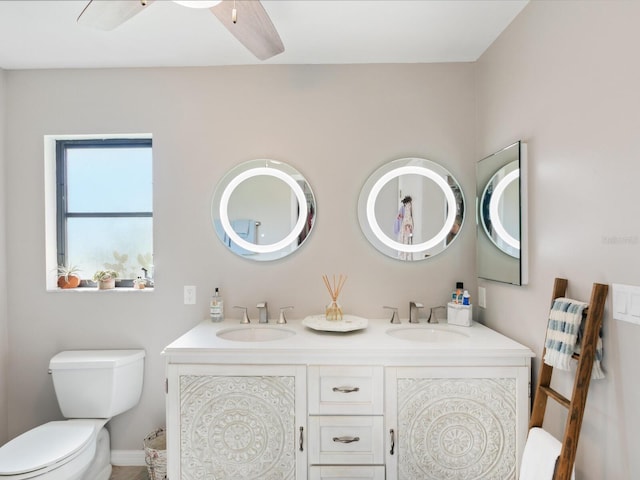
(97,290)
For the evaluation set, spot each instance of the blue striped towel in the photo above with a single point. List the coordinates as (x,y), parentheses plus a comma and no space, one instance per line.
(564,332)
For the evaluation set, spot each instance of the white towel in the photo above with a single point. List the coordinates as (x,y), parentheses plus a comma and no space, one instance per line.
(564,332)
(540,454)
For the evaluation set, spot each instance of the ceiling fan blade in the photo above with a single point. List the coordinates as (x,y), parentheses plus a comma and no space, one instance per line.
(253,29)
(108,14)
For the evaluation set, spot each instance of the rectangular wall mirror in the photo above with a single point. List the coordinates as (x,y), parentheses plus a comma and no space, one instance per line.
(501,219)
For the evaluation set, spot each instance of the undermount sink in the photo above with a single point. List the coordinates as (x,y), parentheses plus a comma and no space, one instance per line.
(427,333)
(255,333)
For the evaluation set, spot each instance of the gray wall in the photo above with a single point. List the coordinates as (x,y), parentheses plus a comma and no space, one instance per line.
(564,77)
(4,338)
(336,124)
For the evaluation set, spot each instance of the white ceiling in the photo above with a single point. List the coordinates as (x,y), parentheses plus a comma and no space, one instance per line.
(44,34)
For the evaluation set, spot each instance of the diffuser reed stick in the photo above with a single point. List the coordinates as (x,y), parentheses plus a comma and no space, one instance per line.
(333,311)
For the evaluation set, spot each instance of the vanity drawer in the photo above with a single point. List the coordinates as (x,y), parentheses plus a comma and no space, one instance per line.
(347,473)
(345,390)
(338,440)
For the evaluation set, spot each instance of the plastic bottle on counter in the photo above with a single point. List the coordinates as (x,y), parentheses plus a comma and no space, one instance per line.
(466,298)
(216,309)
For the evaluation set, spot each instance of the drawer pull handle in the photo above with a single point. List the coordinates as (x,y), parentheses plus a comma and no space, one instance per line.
(393,441)
(301,439)
(346,439)
(346,389)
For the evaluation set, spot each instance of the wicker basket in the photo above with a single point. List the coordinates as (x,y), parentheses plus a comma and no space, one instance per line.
(155,454)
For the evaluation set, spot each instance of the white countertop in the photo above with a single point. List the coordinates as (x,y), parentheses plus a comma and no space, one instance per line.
(371,345)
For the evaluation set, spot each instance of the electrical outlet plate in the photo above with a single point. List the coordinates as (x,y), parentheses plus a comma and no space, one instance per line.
(189,295)
(482,297)
(626,303)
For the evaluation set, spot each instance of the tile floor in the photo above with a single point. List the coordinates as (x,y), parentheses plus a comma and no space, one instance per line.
(129,473)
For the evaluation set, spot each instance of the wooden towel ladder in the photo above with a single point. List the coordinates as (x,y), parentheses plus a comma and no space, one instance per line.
(576,404)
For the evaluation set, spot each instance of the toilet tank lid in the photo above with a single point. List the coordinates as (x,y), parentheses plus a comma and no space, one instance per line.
(75,359)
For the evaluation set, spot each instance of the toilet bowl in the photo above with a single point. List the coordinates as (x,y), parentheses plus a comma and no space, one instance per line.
(91,387)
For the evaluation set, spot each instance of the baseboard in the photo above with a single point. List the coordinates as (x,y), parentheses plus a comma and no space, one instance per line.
(127,458)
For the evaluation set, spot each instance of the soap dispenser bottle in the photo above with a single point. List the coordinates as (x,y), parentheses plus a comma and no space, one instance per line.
(216,309)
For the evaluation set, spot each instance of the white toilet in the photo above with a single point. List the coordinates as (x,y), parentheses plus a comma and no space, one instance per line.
(91,386)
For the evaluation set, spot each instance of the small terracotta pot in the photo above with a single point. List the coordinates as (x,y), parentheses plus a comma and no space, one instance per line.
(70,281)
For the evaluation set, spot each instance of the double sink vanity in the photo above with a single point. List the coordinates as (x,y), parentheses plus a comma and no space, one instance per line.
(361,399)
(370,400)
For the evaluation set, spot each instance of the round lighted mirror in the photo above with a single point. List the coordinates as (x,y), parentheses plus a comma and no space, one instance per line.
(411,209)
(500,209)
(263,210)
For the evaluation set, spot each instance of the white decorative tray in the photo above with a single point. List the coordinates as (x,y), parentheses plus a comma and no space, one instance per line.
(348,323)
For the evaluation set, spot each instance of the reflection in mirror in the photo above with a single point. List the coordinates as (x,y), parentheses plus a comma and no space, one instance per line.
(263,210)
(500,215)
(501,239)
(411,209)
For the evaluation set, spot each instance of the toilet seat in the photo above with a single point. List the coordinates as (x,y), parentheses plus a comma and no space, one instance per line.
(46,448)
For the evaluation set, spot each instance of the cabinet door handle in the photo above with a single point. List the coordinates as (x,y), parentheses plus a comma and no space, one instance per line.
(346,439)
(346,389)
(393,441)
(301,439)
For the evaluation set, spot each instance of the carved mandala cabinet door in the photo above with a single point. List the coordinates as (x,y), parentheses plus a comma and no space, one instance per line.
(229,422)
(458,423)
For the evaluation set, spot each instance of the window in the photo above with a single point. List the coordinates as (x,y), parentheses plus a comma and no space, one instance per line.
(104,206)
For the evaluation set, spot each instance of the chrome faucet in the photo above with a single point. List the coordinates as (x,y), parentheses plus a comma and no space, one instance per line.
(413,311)
(263,313)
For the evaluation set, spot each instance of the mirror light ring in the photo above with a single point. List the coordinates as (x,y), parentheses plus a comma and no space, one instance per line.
(494,203)
(415,170)
(272,247)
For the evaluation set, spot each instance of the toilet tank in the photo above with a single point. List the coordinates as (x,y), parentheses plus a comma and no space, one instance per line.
(97,383)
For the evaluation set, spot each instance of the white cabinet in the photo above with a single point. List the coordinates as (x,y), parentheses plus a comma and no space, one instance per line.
(363,422)
(236,422)
(458,423)
(366,406)
(346,423)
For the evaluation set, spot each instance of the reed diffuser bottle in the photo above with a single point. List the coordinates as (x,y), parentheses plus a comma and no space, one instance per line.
(333,310)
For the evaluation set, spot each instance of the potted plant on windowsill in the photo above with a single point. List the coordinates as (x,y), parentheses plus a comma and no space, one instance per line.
(106,279)
(68,276)
(140,283)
